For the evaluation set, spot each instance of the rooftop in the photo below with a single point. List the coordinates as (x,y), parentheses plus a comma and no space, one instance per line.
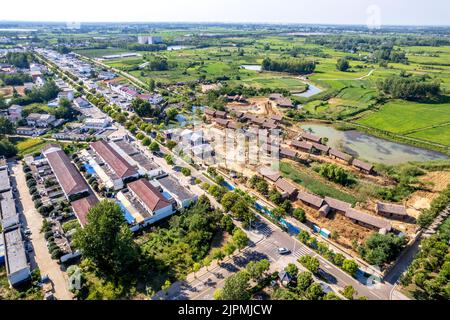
(340,155)
(362,165)
(368,219)
(269,173)
(337,204)
(114,160)
(308,198)
(16,257)
(311,137)
(286,186)
(391,208)
(67,175)
(149,195)
(172,186)
(4,180)
(82,206)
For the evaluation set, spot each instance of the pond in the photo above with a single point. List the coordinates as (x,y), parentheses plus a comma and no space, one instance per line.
(252,67)
(312,90)
(371,148)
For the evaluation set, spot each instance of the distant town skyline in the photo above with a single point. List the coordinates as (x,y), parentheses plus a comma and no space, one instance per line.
(365,12)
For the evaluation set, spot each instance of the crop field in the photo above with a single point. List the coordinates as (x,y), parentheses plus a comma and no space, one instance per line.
(402,117)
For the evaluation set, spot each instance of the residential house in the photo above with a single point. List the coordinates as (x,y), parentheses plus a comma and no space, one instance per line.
(363,166)
(183,197)
(287,189)
(310,137)
(367,220)
(338,155)
(393,211)
(157,207)
(15,113)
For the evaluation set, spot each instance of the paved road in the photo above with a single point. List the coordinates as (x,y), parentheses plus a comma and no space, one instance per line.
(33,220)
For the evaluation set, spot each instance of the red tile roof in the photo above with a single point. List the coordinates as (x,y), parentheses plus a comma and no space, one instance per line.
(81,208)
(67,175)
(149,195)
(114,160)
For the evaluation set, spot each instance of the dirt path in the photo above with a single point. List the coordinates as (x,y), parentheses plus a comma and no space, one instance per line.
(354,79)
(34,221)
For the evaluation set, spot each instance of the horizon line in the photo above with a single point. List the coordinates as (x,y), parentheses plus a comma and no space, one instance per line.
(231,22)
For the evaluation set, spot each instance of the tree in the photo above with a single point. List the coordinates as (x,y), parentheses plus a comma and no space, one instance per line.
(154,146)
(166,286)
(304,281)
(379,249)
(257,269)
(292,269)
(284,295)
(229,200)
(236,287)
(6,126)
(310,263)
(314,292)
(186,172)
(171,113)
(342,64)
(146,141)
(107,240)
(171,144)
(196,267)
(229,248)
(240,238)
(331,296)
(350,266)
(300,215)
(142,108)
(8,149)
(349,292)
(217,254)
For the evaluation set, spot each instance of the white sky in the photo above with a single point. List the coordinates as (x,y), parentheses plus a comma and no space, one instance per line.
(391,12)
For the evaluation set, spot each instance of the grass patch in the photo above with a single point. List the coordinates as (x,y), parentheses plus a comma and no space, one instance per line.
(314,185)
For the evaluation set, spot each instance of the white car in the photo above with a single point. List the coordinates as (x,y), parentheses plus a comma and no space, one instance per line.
(284,251)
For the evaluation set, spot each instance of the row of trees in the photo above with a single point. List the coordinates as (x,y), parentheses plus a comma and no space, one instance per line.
(15,79)
(413,89)
(295,66)
(380,249)
(430,270)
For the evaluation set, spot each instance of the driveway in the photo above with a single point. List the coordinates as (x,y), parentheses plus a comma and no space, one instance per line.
(33,220)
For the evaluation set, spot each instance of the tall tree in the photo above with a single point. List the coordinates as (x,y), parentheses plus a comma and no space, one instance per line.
(107,240)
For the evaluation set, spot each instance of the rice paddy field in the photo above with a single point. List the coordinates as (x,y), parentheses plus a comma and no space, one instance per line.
(350,96)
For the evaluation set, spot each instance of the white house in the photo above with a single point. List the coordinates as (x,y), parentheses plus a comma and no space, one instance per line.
(15,113)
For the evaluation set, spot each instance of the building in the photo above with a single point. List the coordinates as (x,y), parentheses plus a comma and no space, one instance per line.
(82,206)
(338,155)
(288,153)
(393,211)
(5,185)
(82,103)
(72,183)
(94,123)
(66,93)
(320,148)
(368,220)
(269,174)
(149,40)
(120,171)
(156,205)
(302,146)
(310,137)
(310,200)
(281,101)
(8,211)
(17,268)
(32,132)
(337,205)
(15,113)
(182,196)
(40,120)
(286,188)
(363,166)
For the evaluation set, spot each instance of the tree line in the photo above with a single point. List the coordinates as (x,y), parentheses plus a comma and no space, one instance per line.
(409,88)
(295,66)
